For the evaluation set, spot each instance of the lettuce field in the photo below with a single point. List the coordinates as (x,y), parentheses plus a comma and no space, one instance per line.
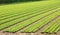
(30,17)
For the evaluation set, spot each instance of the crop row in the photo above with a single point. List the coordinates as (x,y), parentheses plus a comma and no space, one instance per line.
(53,28)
